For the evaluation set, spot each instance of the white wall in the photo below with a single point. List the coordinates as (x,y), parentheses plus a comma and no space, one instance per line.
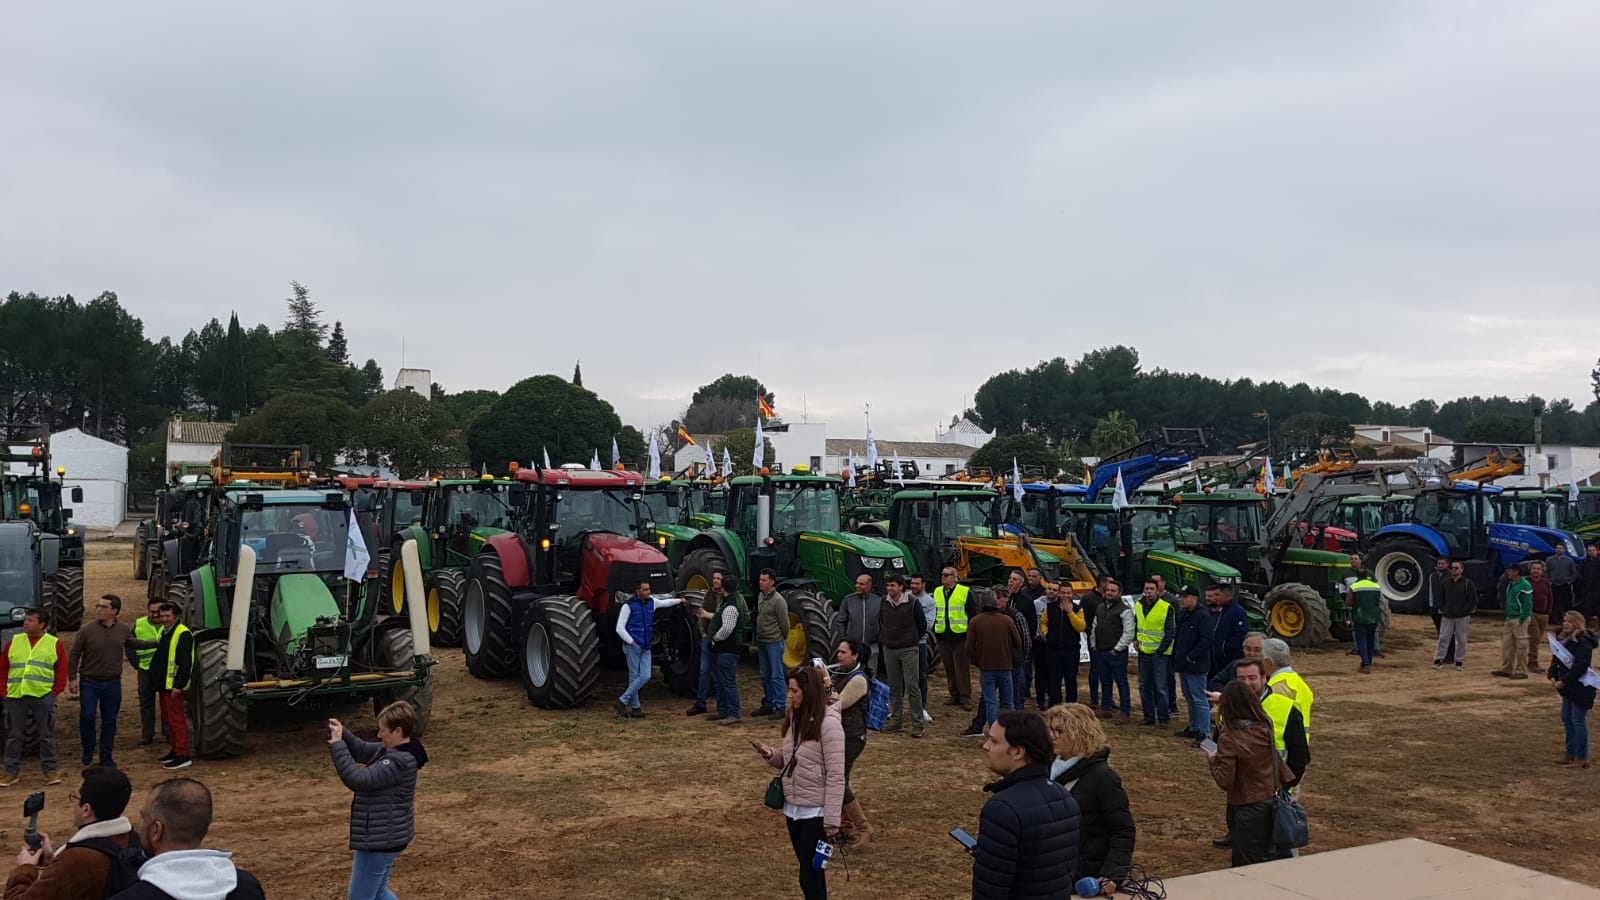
(927,466)
(100,468)
(185,452)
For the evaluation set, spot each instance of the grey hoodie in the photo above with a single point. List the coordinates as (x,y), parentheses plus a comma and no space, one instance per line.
(195,875)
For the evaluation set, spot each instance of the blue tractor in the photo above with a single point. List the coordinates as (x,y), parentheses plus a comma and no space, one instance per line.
(1456,520)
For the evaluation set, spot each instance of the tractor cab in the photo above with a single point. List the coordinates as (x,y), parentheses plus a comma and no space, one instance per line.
(1224,525)
(680,510)
(582,529)
(931,525)
(1543,509)
(461,513)
(27,557)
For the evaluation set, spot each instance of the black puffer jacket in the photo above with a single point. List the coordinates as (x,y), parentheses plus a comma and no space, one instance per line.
(1581,646)
(1027,839)
(381,813)
(1105,829)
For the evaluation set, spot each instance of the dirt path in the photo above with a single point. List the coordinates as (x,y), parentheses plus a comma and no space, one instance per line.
(518,801)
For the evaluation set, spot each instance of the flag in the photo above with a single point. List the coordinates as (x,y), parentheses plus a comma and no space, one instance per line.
(764,407)
(1016,481)
(1572,484)
(899,477)
(850,469)
(1266,477)
(546,456)
(594,463)
(616,455)
(685,437)
(1119,498)
(1198,488)
(356,556)
(760,451)
(655,457)
(872,449)
(727,463)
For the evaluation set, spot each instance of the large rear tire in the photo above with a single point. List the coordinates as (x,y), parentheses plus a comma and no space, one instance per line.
(677,649)
(180,595)
(66,600)
(698,567)
(444,607)
(1401,568)
(1297,615)
(810,628)
(394,650)
(218,723)
(488,620)
(391,583)
(141,557)
(560,653)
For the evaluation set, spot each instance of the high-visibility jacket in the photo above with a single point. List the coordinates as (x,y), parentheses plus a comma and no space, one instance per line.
(1278,707)
(32,671)
(1291,685)
(176,639)
(145,630)
(1151,627)
(950,610)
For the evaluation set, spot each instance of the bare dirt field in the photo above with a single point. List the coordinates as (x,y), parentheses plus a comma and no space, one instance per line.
(522,802)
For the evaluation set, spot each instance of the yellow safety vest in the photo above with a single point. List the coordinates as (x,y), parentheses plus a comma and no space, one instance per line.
(950,610)
(1278,708)
(32,671)
(1291,685)
(178,631)
(1152,626)
(145,630)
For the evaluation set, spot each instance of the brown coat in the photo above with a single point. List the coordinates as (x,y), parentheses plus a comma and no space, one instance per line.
(76,873)
(1246,766)
(993,641)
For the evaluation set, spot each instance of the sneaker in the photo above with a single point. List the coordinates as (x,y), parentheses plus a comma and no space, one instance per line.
(974,731)
(892,728)
(1461,667)
(730,720)
(916,732)
(636,714)
(169,756)
(716,717)
(1438,664)
(763,711)
(178,762)
(926,717)
(696,710)
(51,778)
(1222,843)
(621,708)
(9,780)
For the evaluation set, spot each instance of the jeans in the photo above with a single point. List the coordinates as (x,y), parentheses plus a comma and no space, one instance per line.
(902,669)
(43,712)
(369,875)
(638,673)
(1019,683)
(1452,640)
(725,666)
(1113,672)
(803,836)
(703,693)
(996,688)
(774,688)
(1366,636)
(1575,720)
(1154,668)
(924,657)
(1194,697)
(107,695)
(1063,670)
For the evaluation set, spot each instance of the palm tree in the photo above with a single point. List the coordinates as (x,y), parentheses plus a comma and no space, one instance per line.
(1113,433)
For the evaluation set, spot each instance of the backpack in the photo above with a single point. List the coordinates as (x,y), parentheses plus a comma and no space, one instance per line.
(877,702)
(125,862)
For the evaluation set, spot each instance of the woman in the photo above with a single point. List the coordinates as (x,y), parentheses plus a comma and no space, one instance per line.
(1105,832)
(850,683)
(1577,698)
(811,758)
(1246,766)
(384,778)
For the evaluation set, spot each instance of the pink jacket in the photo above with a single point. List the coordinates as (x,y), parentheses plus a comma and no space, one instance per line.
(818,777)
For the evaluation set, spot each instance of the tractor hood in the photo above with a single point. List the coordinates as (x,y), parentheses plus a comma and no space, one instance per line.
(611,563)
(859,544)
(1532,540)
(1214,571)
(298,600)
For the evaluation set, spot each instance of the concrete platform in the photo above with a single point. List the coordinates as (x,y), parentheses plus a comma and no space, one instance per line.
(1408,869)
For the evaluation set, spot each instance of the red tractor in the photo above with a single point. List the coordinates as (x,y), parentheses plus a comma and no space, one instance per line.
(543,597)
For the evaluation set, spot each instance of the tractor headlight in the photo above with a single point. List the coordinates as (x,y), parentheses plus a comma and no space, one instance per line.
(872,562)
(899,562)
(19,613)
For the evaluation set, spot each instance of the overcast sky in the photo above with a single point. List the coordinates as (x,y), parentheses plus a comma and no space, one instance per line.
(859,203)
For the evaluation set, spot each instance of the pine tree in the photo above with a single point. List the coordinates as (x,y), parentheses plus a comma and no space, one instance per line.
(304,317)
(577,374)
(338,348)
(233,392)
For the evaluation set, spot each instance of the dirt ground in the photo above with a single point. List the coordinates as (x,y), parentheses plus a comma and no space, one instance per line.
(522,802)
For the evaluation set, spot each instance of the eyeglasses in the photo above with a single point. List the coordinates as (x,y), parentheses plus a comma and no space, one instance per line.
(76,800)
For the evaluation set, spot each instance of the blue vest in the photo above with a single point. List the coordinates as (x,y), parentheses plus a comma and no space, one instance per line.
(641,621)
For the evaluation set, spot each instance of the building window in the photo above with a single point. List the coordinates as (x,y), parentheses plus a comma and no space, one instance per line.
(816,464)
(927,467)
(949,468)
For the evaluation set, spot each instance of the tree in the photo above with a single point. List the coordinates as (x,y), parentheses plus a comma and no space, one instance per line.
(325,424)
(338,347)
(1314,431)
(1498,428)
(725,404)
(408,433)
(1113,433)
(577,374)
(741,444)
(303,367)
(304,317)
(233,395)
(1027,450)
(545,411)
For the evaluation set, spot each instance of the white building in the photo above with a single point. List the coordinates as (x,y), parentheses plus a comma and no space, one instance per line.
(195,442)
(417,380)
(100,468)
(934,459)
(796,444)
(965,432)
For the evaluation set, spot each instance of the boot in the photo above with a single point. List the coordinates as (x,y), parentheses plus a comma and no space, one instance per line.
(855,824)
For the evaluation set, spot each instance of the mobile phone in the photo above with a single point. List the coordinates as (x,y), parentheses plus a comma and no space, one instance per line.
(964,839)
(1208,745)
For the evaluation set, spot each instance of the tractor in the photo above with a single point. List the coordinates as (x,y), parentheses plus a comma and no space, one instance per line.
(28,557)
(957,526)
(679,510)
(275,618)
(792,524)
(542,598)
(32,494)
(177,505)
(451,520)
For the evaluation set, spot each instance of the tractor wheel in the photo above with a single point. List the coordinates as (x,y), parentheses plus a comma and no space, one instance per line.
(66,600)
(1341,631)
(391,583)
(1401,568)
(444,607)
(677,649)
(141,558)
(698,567)
(1298,615)
(218,723)
(560,653)
(179,594)
(810,627)
(488,620)
(155,586)
(393,650)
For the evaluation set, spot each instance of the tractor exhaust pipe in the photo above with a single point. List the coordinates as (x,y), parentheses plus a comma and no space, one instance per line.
(239,615)
(763,519)
(411,564)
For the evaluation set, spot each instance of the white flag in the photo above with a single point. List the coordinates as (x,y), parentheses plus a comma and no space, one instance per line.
(594,463)
(711,461)
(356,556)
(1016,481)
(760,453)
(1119,498)
(727,463)
(616,455)
(850,468)
(546,456)
(1198,489)
(655,457)
(899,477)
(1572,484)
(1266,476)
(872,449)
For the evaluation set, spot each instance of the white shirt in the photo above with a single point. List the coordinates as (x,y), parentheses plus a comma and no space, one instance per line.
(622,617)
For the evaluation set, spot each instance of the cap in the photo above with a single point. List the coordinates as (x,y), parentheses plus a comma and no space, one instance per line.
(1189,590)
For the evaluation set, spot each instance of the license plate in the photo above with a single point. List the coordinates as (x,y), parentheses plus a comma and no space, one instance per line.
(332,662)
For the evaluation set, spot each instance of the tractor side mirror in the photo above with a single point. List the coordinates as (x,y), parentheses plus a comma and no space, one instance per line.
(77,495)
(672,500)
(66,513)
(49,554)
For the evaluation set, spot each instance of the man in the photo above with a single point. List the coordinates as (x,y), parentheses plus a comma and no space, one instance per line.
(1284,684)
(1366,612)
(993,644)
(1191,659)
(1457,599)
(1562,570)
(772,635)
(636,626)
(1059,631)
(925,651)
(173,669)
(82,869)
(900,630)
(953,609)
(1171,597)
(1589,583)
(172,825)
(712,599)
(1111,631)
(1539,621)
(1437,579)
(1288,728)
(1028,831)
(147,628)
(1359,571)
(1034,592)
(1155,629)
(94,666)
(1519,610)
(1019,611)
(35,672)
(1251,650)
(858,619)
(722,625)
(1232,624)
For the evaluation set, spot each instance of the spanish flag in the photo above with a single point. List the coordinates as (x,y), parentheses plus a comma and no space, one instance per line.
(684,436)
(764,406)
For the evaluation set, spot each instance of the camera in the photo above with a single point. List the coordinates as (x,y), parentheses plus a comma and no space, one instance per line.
(31,808)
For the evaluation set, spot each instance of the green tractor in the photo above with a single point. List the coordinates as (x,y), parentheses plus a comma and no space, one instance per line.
(179,517)
(451,521)
(28,557)
(275,618)
(34,495)
(792,524)
(958,527)
(679,510)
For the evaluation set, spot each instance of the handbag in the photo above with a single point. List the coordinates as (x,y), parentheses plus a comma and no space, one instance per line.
(774,798)
(1289,829)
